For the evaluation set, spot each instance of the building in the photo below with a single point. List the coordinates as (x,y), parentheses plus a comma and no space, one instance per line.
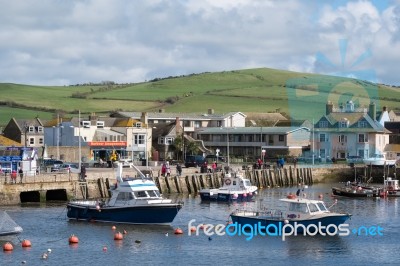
(249,142)
(349,131)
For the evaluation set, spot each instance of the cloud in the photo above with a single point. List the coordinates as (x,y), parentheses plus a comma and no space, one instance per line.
(69,42)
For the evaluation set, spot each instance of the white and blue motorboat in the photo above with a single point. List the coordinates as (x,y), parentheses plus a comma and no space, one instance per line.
(8,226)
(235,188)
(134,200)
(299,212)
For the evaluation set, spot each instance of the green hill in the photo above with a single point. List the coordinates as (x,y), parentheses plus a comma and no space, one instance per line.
(299,95)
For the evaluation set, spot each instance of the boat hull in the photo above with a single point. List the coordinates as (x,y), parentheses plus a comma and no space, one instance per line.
(277,224)
(226,197)
(354,193)
(151,214)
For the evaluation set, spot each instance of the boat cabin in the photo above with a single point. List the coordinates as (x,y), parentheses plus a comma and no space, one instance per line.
(391,184)
(296,205)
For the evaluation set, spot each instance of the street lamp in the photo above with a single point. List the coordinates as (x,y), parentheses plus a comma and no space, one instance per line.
(263,154)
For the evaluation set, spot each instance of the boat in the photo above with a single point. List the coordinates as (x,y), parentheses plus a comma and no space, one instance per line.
(379,160)
(391,187)
(300,212)
(8,226)
(235,188)
(134,200)
(357,190)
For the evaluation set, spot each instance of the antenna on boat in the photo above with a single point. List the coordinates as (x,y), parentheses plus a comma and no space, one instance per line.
(119,173)
(140,172)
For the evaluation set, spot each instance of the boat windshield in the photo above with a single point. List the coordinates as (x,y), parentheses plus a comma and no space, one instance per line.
(247,183)
(298,207)
(322,207)
(147,194)
(124,196)
(313,207)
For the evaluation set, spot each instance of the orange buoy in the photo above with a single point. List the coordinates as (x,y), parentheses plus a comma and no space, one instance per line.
(113,227)
(104,248)
(193,229)
(202,226)
(178,231)
(26,243)
(118,236)
(8,247)
(73,239)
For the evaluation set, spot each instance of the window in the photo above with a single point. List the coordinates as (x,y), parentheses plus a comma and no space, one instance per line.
(342,138)
(161,140)
(31,129)
(139,139)
(197,124)
(86,124)
(322,153)
(40,129)
(313,208)
(322,137)
(343,124)
(169,140)
(219,124)
(362,138)
(32,141)
(138,124)
(40,140)
(281,137)
(362,124)
(323,124)
(100,124)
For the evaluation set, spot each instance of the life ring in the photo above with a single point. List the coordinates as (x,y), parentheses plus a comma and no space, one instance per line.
(227,182)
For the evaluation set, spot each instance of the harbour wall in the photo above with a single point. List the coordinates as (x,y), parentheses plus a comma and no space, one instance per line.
(64,186)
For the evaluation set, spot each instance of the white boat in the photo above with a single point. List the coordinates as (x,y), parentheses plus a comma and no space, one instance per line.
(8,226)
(235,188)
(300,213)
(134,200)
(391,187)
(379,160)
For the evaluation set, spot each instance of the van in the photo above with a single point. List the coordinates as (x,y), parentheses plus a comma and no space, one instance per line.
(194,160)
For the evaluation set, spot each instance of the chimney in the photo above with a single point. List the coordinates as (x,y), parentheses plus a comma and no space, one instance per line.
(372,111)
(210,111)
(384,108)
(178,125)
(161,110)
(93,117)
(329,107)
(144,118)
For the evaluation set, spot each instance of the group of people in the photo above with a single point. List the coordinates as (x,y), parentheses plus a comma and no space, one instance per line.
(13,175)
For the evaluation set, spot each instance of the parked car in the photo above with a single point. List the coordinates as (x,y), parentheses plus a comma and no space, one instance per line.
(69,168)
(53,164)
(194,160)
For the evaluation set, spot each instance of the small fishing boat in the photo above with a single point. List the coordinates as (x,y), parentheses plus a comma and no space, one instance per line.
(235,188)
(354,190)
(134,200)
(8,226)
(391,187)
(300,212)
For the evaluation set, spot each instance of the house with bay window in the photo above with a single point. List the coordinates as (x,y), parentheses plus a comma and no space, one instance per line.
(349,131)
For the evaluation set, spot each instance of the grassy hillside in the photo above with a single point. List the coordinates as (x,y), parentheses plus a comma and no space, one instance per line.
(298,95)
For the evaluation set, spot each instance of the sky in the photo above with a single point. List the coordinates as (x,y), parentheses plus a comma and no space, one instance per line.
(67,42)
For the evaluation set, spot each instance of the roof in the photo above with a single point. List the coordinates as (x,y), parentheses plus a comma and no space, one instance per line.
(353,118)
(392,147)
(8,142)
(173,116)
(266,116)
(250,130)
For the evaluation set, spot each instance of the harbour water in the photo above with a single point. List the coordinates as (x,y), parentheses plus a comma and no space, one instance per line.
(47,227)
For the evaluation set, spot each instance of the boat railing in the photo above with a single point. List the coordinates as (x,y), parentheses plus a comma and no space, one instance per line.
(263,212)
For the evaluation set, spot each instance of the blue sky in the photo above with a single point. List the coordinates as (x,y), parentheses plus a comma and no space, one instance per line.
(69,42)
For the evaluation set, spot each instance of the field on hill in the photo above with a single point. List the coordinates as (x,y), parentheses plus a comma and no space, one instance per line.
(298,95)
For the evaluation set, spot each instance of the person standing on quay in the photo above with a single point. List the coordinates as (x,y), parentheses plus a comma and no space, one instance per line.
(21,174)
